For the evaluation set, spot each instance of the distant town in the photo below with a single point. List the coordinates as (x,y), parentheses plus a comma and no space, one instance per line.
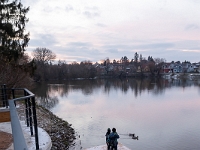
(136,67)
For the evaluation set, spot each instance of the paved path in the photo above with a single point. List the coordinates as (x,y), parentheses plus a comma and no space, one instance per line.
(6,140)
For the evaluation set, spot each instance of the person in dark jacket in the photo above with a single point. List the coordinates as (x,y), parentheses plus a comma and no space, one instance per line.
(107,138)
(113,139)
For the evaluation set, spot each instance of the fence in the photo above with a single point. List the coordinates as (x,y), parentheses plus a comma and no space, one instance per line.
(8,99)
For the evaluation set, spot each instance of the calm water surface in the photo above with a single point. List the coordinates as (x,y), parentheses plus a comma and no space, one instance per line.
(164,114)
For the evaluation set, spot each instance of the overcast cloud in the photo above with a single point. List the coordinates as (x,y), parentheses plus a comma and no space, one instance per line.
(78,30)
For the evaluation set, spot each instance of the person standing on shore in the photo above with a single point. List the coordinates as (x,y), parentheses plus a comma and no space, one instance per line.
(107,138)
(113,139)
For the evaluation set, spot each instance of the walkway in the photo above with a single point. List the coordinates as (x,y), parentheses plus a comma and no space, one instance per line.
(6,141)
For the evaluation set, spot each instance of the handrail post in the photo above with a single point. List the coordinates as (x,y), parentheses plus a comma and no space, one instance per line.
(35,123)
(13,95)
(5,96)
(26,109)
(2,96)
(30,116)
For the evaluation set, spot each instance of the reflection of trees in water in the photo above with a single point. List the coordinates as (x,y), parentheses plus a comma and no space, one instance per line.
(58,89)
(114,84)
(136,85)
(86,86)
(46,94)
(47,102)
(155,85)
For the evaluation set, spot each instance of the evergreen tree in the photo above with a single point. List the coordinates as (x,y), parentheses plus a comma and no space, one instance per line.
(15,66)
(136,57)
(13,39)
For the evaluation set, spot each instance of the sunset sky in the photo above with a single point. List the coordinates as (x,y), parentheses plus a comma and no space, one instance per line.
(78,30)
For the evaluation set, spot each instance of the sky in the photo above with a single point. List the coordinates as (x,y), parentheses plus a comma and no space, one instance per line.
(79,30)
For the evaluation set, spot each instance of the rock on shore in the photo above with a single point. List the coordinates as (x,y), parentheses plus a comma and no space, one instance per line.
(60,131)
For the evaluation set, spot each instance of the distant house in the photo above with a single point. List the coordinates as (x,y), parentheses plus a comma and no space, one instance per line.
(198,70)
(166,68)
(185,66)
(131,68)
(139,69)
(110,67)
(100,69)
(191,68)
(117,66)
(172,67)
(196,67)
(177,68)
(145,68)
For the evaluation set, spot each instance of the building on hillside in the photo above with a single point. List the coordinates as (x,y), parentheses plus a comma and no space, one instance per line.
(177,68)
(191,68)
(166,68)
(196,67)
(185,66)
(100,69)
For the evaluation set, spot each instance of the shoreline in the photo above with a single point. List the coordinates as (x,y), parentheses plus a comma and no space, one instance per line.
(61,133)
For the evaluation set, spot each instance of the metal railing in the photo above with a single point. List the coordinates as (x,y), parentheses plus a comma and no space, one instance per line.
(3,98)
(8,99)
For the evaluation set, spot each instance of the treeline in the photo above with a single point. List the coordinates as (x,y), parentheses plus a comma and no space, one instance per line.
(46,70)
(63,71)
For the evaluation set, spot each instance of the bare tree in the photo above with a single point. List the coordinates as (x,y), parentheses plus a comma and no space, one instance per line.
(159,60)
(43,55)
(158,64)
(18,76)
(43,58)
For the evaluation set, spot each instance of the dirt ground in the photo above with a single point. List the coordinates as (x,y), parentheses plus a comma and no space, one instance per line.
(5,140)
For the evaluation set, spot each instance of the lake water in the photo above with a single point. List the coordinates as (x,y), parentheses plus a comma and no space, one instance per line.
(165,114)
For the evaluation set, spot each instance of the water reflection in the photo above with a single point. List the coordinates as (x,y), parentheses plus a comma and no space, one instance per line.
(46,91)
(45,95)
(161,112)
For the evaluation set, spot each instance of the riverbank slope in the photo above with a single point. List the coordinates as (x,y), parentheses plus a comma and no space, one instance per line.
(61,133)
